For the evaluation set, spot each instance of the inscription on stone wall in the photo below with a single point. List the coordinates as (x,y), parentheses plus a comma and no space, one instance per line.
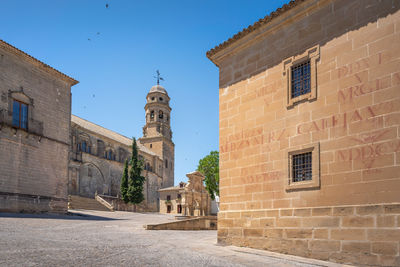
(367,150)
(251,138)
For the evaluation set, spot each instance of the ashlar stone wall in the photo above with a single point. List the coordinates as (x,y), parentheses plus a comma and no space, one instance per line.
(33,161)
(350,213)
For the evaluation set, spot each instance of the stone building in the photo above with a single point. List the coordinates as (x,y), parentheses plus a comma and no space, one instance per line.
(97,154)
(35,115)
(309,132)
(187,199)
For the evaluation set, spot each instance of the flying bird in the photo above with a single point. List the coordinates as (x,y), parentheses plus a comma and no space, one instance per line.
(88,39)
(107,5)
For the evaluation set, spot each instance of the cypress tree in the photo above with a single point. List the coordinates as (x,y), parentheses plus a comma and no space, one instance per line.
(124,183)
(136,180)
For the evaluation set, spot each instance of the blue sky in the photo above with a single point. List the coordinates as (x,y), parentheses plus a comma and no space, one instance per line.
(129,41)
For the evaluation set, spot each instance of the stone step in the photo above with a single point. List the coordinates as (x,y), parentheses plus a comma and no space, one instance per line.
(84,203)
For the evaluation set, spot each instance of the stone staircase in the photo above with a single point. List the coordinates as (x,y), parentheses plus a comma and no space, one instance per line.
(84,203)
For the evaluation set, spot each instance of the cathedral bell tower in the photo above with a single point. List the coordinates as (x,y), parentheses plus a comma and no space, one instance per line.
(157,134)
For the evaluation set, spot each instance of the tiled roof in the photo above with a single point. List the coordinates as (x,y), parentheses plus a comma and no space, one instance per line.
(108,133)
(253,27)
(37,62)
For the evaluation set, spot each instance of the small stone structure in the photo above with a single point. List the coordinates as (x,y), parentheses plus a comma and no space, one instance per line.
(191,199)
(199,223)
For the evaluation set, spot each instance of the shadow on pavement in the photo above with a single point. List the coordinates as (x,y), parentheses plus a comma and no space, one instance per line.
(67,216)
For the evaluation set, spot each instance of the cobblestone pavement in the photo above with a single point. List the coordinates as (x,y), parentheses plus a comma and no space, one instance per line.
(94,238)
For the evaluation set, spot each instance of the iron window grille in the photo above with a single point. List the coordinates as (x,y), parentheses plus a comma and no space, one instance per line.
(300,73)
(302,167)
(301,79)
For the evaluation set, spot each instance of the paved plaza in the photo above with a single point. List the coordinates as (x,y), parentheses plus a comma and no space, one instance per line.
(94,238)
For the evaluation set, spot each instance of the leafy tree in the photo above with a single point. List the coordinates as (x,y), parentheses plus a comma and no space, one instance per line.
(124,183)
(136,180)
(209,167)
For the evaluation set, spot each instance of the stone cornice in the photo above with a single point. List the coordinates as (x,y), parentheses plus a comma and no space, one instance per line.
(9,48)
(282,16)
(157,104)
(157,138)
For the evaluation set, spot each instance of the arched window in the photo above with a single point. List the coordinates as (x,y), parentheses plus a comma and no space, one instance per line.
(166,163)
(109,154)
(152,115)
(83,146)
(160,114)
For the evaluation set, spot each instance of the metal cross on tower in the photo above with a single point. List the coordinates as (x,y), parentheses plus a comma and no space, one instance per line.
(158,77)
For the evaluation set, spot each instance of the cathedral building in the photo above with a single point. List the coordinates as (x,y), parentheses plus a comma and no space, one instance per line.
(97,154)
(47,154)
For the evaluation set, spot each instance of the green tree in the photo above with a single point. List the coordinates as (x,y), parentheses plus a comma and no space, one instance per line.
(209,167)
(124,183)
(136,180)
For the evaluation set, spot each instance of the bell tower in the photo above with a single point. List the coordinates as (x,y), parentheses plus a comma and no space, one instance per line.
(157,134)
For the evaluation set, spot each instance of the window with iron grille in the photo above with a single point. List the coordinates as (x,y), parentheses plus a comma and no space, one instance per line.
(302,167)
(301,79)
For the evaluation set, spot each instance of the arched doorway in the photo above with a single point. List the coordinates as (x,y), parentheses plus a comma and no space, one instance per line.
(91,180)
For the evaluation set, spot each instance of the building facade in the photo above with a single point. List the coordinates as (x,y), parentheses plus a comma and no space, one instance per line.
(97,155)
(186,199)
(309,132)
(35,115)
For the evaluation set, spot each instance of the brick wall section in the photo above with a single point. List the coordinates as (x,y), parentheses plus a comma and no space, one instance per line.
(34,169)
(355,119)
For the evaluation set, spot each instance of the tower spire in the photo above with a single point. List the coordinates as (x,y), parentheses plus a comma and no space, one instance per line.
(158,77)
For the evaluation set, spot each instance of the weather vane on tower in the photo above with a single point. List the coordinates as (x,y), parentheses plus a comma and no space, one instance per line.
(158,77)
